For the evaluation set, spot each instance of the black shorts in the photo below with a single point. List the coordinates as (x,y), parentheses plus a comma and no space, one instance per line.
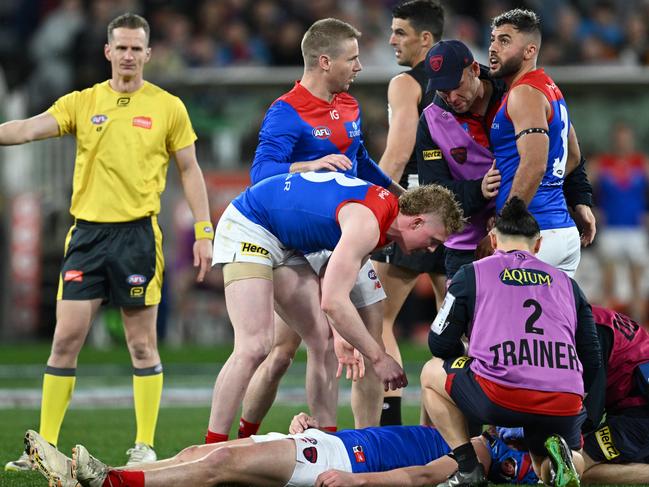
(456,259)
(478,408)
(421,261)
(623,438)
(117,262)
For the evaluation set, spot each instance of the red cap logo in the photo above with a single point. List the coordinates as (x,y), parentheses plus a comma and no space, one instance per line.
(436,62)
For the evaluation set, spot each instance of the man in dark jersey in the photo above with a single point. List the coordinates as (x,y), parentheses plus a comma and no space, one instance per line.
(456,151)
(416,26)
(533,353)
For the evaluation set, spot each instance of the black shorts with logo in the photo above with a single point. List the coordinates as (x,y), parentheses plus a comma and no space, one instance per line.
(476,406)
(420,261)
(117,262)
(622,438)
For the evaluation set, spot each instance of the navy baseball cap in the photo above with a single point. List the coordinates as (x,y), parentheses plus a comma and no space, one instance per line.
(445,62)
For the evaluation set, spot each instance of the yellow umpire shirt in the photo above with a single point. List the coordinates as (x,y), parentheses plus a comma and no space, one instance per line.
(124,141)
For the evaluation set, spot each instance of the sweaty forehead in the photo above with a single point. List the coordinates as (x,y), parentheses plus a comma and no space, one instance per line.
(402,24)
(505,29)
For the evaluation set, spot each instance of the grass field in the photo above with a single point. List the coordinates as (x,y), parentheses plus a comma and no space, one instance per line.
(108,431)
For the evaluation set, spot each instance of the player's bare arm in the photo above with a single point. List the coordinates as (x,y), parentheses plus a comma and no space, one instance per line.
(360,234)
(404,94)
(15,132)
(529,108)
(195,191)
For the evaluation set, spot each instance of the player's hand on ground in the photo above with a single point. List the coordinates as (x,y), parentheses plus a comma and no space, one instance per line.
(484,248)
(202,257)
(491,182)
(348,358)
(331,162)
(390,373)
(302,422)
(586,224)
(336,478)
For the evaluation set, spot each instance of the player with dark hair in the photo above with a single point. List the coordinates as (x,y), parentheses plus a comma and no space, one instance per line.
(126,130)
(456,151)
(416,26)
(532,137)
(533,353)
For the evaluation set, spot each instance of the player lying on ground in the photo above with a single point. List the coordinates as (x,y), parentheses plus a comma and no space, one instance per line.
(303,458)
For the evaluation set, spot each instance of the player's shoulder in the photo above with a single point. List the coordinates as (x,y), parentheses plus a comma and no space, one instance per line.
(154,90)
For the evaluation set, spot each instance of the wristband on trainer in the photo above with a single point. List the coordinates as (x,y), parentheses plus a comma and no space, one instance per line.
(203,230)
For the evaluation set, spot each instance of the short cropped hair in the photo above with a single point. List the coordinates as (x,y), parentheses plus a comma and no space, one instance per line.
(325,37)
(433,198)
(129,21)
(423,15)
(515,220)
(523,20)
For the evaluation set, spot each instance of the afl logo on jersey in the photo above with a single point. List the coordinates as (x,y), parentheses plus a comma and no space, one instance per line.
(322,132)
(136,279)
(98,119)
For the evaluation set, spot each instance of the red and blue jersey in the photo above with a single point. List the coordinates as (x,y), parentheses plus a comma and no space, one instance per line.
(548,204)
(299,127)
(622,189)
(301,210)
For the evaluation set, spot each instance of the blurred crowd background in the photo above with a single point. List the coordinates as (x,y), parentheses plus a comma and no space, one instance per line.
(228,60)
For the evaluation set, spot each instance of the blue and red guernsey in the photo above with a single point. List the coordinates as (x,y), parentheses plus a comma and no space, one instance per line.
(302,127)
(301,210)
(549,204)
(379,449)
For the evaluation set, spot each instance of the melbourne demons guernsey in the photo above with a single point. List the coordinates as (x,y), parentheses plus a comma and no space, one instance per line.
(548,204)
(525,324)
(623,186)
(383,448)
(301,127)
(124,141)
(630,348)
(301,210)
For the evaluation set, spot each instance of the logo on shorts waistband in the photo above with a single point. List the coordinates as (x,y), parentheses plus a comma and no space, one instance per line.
(359,454)
(248,248)
(73,276)
(605,440)
(311,454)
(460,362)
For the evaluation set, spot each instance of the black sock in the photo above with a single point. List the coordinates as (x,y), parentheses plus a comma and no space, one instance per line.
(465,457)
(391,413)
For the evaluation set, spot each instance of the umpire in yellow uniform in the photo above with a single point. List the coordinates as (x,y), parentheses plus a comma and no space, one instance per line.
(126,129)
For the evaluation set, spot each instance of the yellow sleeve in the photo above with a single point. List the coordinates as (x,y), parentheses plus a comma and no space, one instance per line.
(181,133)
(65,113)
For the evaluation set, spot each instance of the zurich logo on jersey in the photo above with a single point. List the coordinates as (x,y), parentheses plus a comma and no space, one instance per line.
(353,129)
(322,132)
(98,119)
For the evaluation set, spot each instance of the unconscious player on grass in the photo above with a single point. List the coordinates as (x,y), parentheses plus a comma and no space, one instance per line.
(405,455)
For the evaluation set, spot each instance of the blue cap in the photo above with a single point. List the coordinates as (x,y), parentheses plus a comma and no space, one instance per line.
(445,62)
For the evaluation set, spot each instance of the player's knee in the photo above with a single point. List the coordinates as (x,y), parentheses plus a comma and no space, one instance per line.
(281,360)
(67,345)
(187,454)
(142,350)
(217,462)
(428,373)
(253,354)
